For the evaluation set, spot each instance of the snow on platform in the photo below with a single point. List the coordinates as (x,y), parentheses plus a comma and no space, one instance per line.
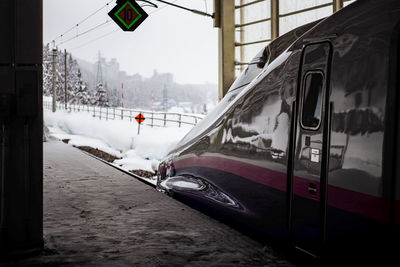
(95,215)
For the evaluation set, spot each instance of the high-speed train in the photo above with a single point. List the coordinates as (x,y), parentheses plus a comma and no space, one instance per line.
(304,148)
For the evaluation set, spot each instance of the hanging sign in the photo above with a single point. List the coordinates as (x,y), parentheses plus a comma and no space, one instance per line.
(128,15)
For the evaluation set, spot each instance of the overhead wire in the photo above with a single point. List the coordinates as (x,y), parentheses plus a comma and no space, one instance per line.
(85,32)
(99,26)
(82,21)
(102,24)
(107,34)
(91,41)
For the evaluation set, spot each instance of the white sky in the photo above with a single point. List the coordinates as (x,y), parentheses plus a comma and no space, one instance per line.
(170,40)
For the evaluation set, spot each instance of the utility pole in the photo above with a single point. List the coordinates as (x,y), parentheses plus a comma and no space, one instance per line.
(99,76)
(65,78)
(54,79)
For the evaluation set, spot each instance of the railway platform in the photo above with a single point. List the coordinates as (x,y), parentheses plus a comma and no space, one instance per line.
(98,216)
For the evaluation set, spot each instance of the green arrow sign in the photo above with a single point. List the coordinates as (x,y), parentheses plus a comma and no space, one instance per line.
(128,15)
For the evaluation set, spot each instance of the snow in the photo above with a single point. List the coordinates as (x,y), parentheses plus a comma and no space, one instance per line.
(116,137)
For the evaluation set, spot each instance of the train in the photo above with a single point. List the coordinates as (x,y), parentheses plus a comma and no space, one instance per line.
(304,147)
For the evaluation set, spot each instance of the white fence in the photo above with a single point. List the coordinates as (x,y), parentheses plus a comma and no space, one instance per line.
(152,118)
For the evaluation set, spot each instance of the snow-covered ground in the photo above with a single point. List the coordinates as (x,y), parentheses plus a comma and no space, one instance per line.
(116,137)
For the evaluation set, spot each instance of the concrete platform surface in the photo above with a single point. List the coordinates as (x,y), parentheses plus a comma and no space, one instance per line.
(95,215)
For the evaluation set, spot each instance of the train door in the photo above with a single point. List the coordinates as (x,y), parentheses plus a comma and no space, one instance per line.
(308,174)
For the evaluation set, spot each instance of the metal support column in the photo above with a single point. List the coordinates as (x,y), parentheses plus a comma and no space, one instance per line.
(274,19)
(242,39)
(337,5)
(21,128)
(225,20)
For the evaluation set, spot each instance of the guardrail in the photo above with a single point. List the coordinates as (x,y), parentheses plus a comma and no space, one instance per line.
(153,118)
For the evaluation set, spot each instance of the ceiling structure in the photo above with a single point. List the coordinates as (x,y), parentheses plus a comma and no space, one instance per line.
(246,26)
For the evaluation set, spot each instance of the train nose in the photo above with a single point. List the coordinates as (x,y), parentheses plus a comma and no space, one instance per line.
(161,172)
(165,170)
(170,170)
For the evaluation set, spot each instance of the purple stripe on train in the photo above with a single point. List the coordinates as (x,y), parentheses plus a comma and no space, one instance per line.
(355,202)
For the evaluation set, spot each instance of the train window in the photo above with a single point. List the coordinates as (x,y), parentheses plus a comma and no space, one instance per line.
(312,100)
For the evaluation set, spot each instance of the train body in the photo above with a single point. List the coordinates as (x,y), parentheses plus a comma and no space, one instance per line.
(304,147)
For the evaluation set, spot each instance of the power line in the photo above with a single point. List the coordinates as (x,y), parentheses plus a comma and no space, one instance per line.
(85,32)
(82,21)
(91,41)
(93,28)
(101,8)
(113,31)
(104,35)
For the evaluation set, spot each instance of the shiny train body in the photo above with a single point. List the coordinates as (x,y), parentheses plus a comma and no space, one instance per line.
(304,146)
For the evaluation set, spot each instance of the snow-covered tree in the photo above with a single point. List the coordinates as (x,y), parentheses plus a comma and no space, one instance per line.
(47,71)
(102,98)
(79,90)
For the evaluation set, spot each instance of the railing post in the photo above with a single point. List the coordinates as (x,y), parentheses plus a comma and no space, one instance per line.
(152,119)
(94,111)
(122,114)
(165,119)
(180,120)
(195,120)
(130,115)
(114,113)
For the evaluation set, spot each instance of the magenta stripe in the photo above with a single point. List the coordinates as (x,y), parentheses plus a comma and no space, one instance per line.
(300,188)
(359,203)
(255,173)
(341,198)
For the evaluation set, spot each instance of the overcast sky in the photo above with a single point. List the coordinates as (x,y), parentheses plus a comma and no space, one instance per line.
(169,40)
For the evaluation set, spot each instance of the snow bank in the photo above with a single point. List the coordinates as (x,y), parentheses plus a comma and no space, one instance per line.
(116,137)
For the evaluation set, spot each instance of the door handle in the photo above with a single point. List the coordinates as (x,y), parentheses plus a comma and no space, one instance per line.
(312,189)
